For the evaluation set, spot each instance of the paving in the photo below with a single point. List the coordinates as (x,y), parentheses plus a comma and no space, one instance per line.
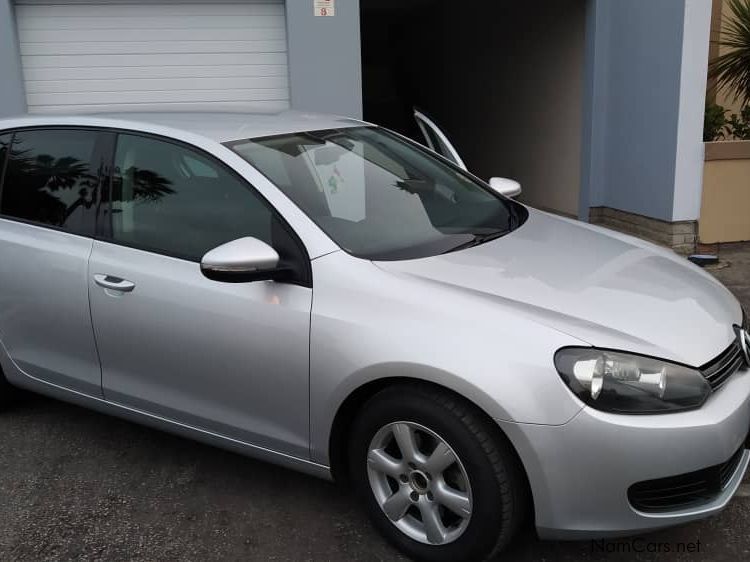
(77,485)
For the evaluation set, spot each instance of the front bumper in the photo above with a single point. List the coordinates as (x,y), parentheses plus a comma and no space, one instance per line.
(580,472)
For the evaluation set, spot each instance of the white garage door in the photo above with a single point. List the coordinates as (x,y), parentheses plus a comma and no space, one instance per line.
(89,55)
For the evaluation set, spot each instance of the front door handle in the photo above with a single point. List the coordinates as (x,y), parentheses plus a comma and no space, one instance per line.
(114,283)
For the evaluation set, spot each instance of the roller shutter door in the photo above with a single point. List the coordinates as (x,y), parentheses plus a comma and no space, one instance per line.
(80,55)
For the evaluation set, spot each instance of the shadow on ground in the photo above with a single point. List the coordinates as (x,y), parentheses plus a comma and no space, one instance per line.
(75,484)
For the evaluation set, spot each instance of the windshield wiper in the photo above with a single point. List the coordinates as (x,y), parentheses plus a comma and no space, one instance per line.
(479,239)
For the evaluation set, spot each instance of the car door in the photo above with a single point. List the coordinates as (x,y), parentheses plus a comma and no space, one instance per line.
(48,198)
(436,140)
(229,358)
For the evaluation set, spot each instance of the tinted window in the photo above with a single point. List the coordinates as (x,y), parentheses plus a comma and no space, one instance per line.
(173,200)
(378,196)
(4,144)
(52,178)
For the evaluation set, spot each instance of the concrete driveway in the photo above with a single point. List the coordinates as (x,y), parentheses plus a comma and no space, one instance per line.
(78,485)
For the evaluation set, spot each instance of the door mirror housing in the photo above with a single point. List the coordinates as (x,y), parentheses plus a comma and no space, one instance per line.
(505,187)
(242,260)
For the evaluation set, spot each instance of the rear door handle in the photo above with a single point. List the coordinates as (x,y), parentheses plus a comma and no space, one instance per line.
(114,283)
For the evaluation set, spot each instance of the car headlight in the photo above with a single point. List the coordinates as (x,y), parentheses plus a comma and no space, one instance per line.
(630,384)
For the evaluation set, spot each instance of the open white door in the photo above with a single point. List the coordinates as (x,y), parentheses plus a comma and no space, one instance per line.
(436,139)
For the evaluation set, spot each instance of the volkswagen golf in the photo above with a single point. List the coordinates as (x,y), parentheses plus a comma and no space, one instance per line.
(327,295)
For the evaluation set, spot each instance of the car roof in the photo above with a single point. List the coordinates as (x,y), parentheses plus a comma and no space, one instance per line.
(218,126)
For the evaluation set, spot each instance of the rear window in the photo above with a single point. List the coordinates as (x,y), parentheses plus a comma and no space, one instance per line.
(51,178)
(4,144)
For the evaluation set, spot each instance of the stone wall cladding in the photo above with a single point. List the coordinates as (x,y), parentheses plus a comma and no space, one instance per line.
(681,236)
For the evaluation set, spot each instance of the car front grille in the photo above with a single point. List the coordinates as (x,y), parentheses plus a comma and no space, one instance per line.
(685,490)
(719,370)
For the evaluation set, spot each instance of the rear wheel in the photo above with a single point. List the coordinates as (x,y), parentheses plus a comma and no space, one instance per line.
(438,479)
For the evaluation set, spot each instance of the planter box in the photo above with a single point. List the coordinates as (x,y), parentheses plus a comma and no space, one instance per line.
(725,206)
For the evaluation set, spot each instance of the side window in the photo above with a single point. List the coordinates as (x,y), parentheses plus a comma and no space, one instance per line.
(4,144)
(52,178)
(173,200)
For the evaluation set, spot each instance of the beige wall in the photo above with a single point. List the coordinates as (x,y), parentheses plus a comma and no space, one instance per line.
(725,208)
(725,205)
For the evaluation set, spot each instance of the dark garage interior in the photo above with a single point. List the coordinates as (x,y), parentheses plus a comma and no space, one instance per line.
(504,79)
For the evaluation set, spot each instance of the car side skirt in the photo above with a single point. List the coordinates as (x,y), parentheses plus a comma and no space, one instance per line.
(22,380)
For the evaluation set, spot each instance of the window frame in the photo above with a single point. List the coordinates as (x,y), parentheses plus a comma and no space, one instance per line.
(104,227)
(100,150)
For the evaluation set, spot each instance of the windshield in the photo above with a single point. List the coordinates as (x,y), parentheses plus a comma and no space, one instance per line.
(379,196)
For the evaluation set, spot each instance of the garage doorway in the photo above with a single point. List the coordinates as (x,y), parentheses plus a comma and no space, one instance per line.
(504,79)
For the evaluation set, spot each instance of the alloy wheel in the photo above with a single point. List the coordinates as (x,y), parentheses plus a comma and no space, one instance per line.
(419,482)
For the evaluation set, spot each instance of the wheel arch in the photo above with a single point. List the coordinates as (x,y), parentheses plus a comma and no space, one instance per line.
(347,411)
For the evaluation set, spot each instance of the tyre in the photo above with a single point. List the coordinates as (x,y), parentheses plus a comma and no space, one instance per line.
(438,479)
(8,393)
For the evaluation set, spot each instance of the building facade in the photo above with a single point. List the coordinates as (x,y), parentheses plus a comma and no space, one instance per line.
(596,106)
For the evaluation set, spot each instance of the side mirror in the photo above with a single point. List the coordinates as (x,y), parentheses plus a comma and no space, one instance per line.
(242,260)
(505,187)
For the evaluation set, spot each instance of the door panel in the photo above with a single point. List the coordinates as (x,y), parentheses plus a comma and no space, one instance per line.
(50,192)
(45,323)
(232,358)
(436,140)
(229,358)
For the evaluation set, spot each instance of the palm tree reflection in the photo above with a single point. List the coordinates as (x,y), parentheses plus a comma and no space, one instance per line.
(50,189)
(141,184)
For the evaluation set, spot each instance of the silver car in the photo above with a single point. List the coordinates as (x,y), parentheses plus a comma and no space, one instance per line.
(327,295)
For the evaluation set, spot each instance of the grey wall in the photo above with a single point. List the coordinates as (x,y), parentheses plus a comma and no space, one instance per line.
(12,97)
(324,58)
(633,103)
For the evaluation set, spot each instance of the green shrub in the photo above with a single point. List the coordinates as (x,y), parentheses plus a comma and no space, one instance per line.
(714,122)
(738,126)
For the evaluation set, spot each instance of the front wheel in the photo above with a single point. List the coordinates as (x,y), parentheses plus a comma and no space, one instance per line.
(439,481)
(8,393)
